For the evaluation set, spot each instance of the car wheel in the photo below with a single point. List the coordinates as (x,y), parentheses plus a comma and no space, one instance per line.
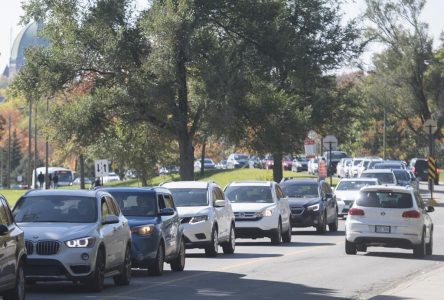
(276,238)
(350,247)
(212,249)
(429,246)
(286,238)
(18,292)
(230,246)
(178,264)
(419,251)
(361,248)
(124,277)
(322,226)
(96,282)
(156,269)
(333,227)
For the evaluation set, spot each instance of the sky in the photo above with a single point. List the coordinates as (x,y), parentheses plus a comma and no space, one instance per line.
(10,12)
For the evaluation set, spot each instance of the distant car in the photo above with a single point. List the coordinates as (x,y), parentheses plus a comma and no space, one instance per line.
(299,164)
(403,177)
(347,190)
(384,216)
(388,165)
(87,181)
(312,203)
(268,162)
(313,166)
(222,164)
(111,177)
(287,163)
(206,216)
(208,164)
(341,167)
(385,176)
(354,171)
(256,162)
(157,236)
(333,161)
(237,160)
(261,210)
(74,235)
(419,167)
(12,255)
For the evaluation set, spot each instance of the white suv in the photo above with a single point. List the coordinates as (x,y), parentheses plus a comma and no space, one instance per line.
(206,216)
(386,216)
(261,210)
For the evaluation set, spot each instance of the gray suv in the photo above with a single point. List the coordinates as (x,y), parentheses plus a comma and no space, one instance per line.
(74,235)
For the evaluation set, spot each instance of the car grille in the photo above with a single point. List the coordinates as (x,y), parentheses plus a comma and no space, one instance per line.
(185,220)
(47,247)
(297,210)
(245,216)
(29,247)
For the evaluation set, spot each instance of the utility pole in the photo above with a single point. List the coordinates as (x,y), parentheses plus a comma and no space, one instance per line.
(47,149)
(29,175)
(384,140)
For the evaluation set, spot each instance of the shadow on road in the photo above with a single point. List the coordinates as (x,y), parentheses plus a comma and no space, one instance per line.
(403,255)
(286,245)
(313,232)
(235,255)
(188,285)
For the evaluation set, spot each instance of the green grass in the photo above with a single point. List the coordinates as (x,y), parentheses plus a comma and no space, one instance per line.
(221,177)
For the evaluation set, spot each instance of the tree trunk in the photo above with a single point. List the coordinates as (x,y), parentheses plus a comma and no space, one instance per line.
(186,151)
(202,159)
(82,172)
(277,167)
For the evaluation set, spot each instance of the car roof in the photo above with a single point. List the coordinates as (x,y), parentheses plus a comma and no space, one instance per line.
(377,171)
(186,184)
(358,179)
(300,181)
(251,183)
(135,189)
(60,192)
(392,188)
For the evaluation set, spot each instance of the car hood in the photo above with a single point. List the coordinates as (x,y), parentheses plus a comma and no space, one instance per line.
(347,195)
(190,211)
(134,221)
(251,207)
(56,231)
(300,202)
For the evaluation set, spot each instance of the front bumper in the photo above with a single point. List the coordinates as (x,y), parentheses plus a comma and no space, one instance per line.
(144,249)
(256,227)
(197,235)
(301,217)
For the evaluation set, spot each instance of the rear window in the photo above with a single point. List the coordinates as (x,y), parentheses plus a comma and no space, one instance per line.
(295,190)
(249,194)
(136,203)
(353,185)
(421,164)
(401,175)
(385,199)
(384,178)
(388,166)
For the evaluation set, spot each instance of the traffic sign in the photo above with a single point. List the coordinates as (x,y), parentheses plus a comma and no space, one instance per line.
(430,126)
(101,167)
(330,142)
(431,168)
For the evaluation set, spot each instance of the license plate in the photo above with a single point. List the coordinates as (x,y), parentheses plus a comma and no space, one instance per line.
(382,229)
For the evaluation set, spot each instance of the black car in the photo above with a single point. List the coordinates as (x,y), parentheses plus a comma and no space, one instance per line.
(419,167)
(12,255)
(312,203)
(157,236)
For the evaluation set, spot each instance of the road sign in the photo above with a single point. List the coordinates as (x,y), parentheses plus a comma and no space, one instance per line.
(430,126)
(310,147)
(330,142)
(101,167)
(431,168)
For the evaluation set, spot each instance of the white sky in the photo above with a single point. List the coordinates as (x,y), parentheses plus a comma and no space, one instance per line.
(10,12)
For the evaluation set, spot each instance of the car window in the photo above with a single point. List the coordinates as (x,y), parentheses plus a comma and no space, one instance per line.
(136,203)
(112,206)
(249,194)
(214,196)
(385,199)
(353,185)
(105,209)
(190,197)
(63,209)
(219,194)
(161,201)
(384,178)
(9,218)
(279,193)
(3,216)
(300,190)
(401,175)
(419,200)
(168,201)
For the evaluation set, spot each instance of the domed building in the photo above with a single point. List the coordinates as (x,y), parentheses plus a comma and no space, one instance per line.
(27,37)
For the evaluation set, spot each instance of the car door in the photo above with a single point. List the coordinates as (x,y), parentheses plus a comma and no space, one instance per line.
(120,231)
(8,247)
(166,226)
(329,202)
(107,233)
(218,213)
(426,219)
(284,207)
(173,228)
(227,211)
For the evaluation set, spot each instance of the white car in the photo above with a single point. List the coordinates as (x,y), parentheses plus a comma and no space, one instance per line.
(341,167)
(354,170)
(112,176)
(313,165)
(347,190)
(206,216)
(385,176)
(394,217)
(237,160)
(261,210)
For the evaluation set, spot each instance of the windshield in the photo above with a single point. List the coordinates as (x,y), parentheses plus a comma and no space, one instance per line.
(309,190)
(384,178)
(401,175)
(356,162)
(353,185)
(240,157)
(64,176)
(64,209)
(366,163)
(388,166)
(208,161)
(190,197)
(141,204)
(249,194)
(385,199)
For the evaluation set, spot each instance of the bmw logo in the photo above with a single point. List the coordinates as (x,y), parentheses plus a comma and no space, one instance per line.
(383,213)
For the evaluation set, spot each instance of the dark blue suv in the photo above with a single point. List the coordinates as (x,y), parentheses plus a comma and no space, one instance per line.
(155,227)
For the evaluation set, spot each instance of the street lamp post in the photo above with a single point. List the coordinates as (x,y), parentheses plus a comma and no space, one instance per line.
(29,177)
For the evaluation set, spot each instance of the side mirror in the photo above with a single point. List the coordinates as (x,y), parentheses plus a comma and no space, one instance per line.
(430,209)
(220,203)
(166,212)
(110,219)
(3,229)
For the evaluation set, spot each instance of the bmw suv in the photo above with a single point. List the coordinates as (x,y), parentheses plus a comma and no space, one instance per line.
(206,216)
(74,235)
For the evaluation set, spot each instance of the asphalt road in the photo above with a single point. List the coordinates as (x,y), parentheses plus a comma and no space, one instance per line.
(311,267)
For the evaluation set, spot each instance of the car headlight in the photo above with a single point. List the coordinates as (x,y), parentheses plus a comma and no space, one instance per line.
(199,219)
(86,242)
(265,213)
(314,207)
(143,230)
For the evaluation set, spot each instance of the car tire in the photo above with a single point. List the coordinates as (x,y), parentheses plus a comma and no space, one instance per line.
(361,248)
(156,269)
(95,284)
(124,277)
(230,246)
(18,292)
(276,237)
(350,248)
(322,227)
(419,251)
(286,237)
(212,249)
(333,227)
(178,264)
(429,246)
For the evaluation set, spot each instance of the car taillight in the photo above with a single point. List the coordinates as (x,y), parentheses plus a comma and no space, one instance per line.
(356,212)
(437,170)
(413,214)
(413,169)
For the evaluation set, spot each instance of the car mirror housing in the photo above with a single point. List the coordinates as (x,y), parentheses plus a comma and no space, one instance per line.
(166,212)
(3,229)
(219,203)
(110,219)
(430,209)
